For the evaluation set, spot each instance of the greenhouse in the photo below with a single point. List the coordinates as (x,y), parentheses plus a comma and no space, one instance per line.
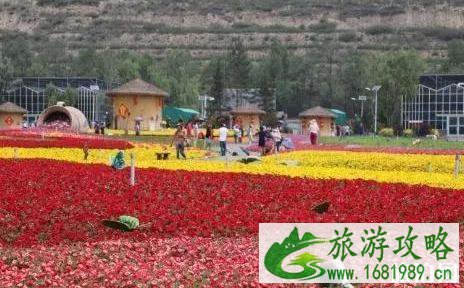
(30,94)
(438,104)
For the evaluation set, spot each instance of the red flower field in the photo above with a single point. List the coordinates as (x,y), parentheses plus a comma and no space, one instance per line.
(196,227)
(37,138)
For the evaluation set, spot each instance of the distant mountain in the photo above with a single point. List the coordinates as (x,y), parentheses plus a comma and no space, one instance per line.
(205,27)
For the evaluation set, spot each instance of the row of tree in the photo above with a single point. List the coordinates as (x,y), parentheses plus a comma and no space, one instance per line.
(325,75)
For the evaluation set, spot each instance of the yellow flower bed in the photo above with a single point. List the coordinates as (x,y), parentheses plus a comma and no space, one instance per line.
(389,168)
(369,161)
(160,132)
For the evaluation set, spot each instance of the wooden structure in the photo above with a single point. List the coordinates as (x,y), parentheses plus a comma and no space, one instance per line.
(11,116)
(246,115)
(324,117)
(138,101)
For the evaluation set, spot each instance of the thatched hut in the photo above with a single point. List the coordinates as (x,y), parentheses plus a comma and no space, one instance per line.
(246,115)
(324,117)
(140,101)
(11,116)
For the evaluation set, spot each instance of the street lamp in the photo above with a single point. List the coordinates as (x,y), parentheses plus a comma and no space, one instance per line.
(361,99)
(204,99)
(375,89)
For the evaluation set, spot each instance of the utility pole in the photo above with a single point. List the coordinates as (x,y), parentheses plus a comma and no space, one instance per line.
(375,89)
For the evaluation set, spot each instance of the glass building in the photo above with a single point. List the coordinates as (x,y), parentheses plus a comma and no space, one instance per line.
(438,103)
(29,93)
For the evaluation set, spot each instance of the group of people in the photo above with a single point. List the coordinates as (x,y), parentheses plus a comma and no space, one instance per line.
(269,139)
(189,134)
(99,128)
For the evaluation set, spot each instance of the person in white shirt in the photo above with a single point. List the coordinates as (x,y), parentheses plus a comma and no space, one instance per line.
(277,137)
(223,139)
(313,131)
(195,134)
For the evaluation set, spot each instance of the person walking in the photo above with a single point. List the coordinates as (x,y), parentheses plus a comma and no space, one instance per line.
(277,137)
(223,139)
(208,138)
(179,139)
(195,133)
(262,140)
(236,133)
(313,131)
(250,133)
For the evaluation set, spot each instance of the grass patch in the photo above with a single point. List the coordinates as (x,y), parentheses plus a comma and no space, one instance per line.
(392,142)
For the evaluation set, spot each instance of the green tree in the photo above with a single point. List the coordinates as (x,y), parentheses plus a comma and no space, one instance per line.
(217,84)
(127,66)
(353,80)
(55,95)
(456,54)
(52,60)
(6,72)
(398,74)
(18,51)
(181,77)
(85,63)
(238,65)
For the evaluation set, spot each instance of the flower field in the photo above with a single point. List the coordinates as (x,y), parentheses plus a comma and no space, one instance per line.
(38,138)
(199,217)
(432,170)
(199,229)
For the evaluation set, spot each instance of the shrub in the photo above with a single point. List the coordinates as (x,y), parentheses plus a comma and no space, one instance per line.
(443,33)
(408,133)
(349,36)
(59,3)
(386,132)
(379,29)
(323,26)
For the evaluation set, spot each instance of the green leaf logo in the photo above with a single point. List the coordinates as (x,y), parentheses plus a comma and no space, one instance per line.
(278,252)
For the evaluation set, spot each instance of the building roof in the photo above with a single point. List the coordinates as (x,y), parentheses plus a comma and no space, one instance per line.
(138,87)
(317,111)
(9,107)
(247,110)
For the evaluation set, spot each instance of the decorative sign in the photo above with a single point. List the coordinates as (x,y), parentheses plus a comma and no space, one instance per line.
(9,121)
(359,253)
(123,111)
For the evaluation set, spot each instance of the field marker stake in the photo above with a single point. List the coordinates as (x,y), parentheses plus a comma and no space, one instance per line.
(457,165)
(132,170)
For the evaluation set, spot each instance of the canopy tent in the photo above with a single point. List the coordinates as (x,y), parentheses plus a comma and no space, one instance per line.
(340,116)
(175,114)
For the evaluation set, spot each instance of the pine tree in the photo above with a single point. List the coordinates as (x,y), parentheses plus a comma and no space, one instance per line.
(217,87)
(239,65)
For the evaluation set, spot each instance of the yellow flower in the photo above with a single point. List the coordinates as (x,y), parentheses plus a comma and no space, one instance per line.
(436,171)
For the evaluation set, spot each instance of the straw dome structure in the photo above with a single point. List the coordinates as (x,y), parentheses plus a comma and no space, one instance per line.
(72,116)
(137,103)
(11,116)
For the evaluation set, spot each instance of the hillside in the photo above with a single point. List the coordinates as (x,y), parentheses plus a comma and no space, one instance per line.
(205,27)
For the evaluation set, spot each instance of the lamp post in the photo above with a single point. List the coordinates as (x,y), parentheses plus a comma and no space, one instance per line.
(204,103)
(361,99)
(375,89)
